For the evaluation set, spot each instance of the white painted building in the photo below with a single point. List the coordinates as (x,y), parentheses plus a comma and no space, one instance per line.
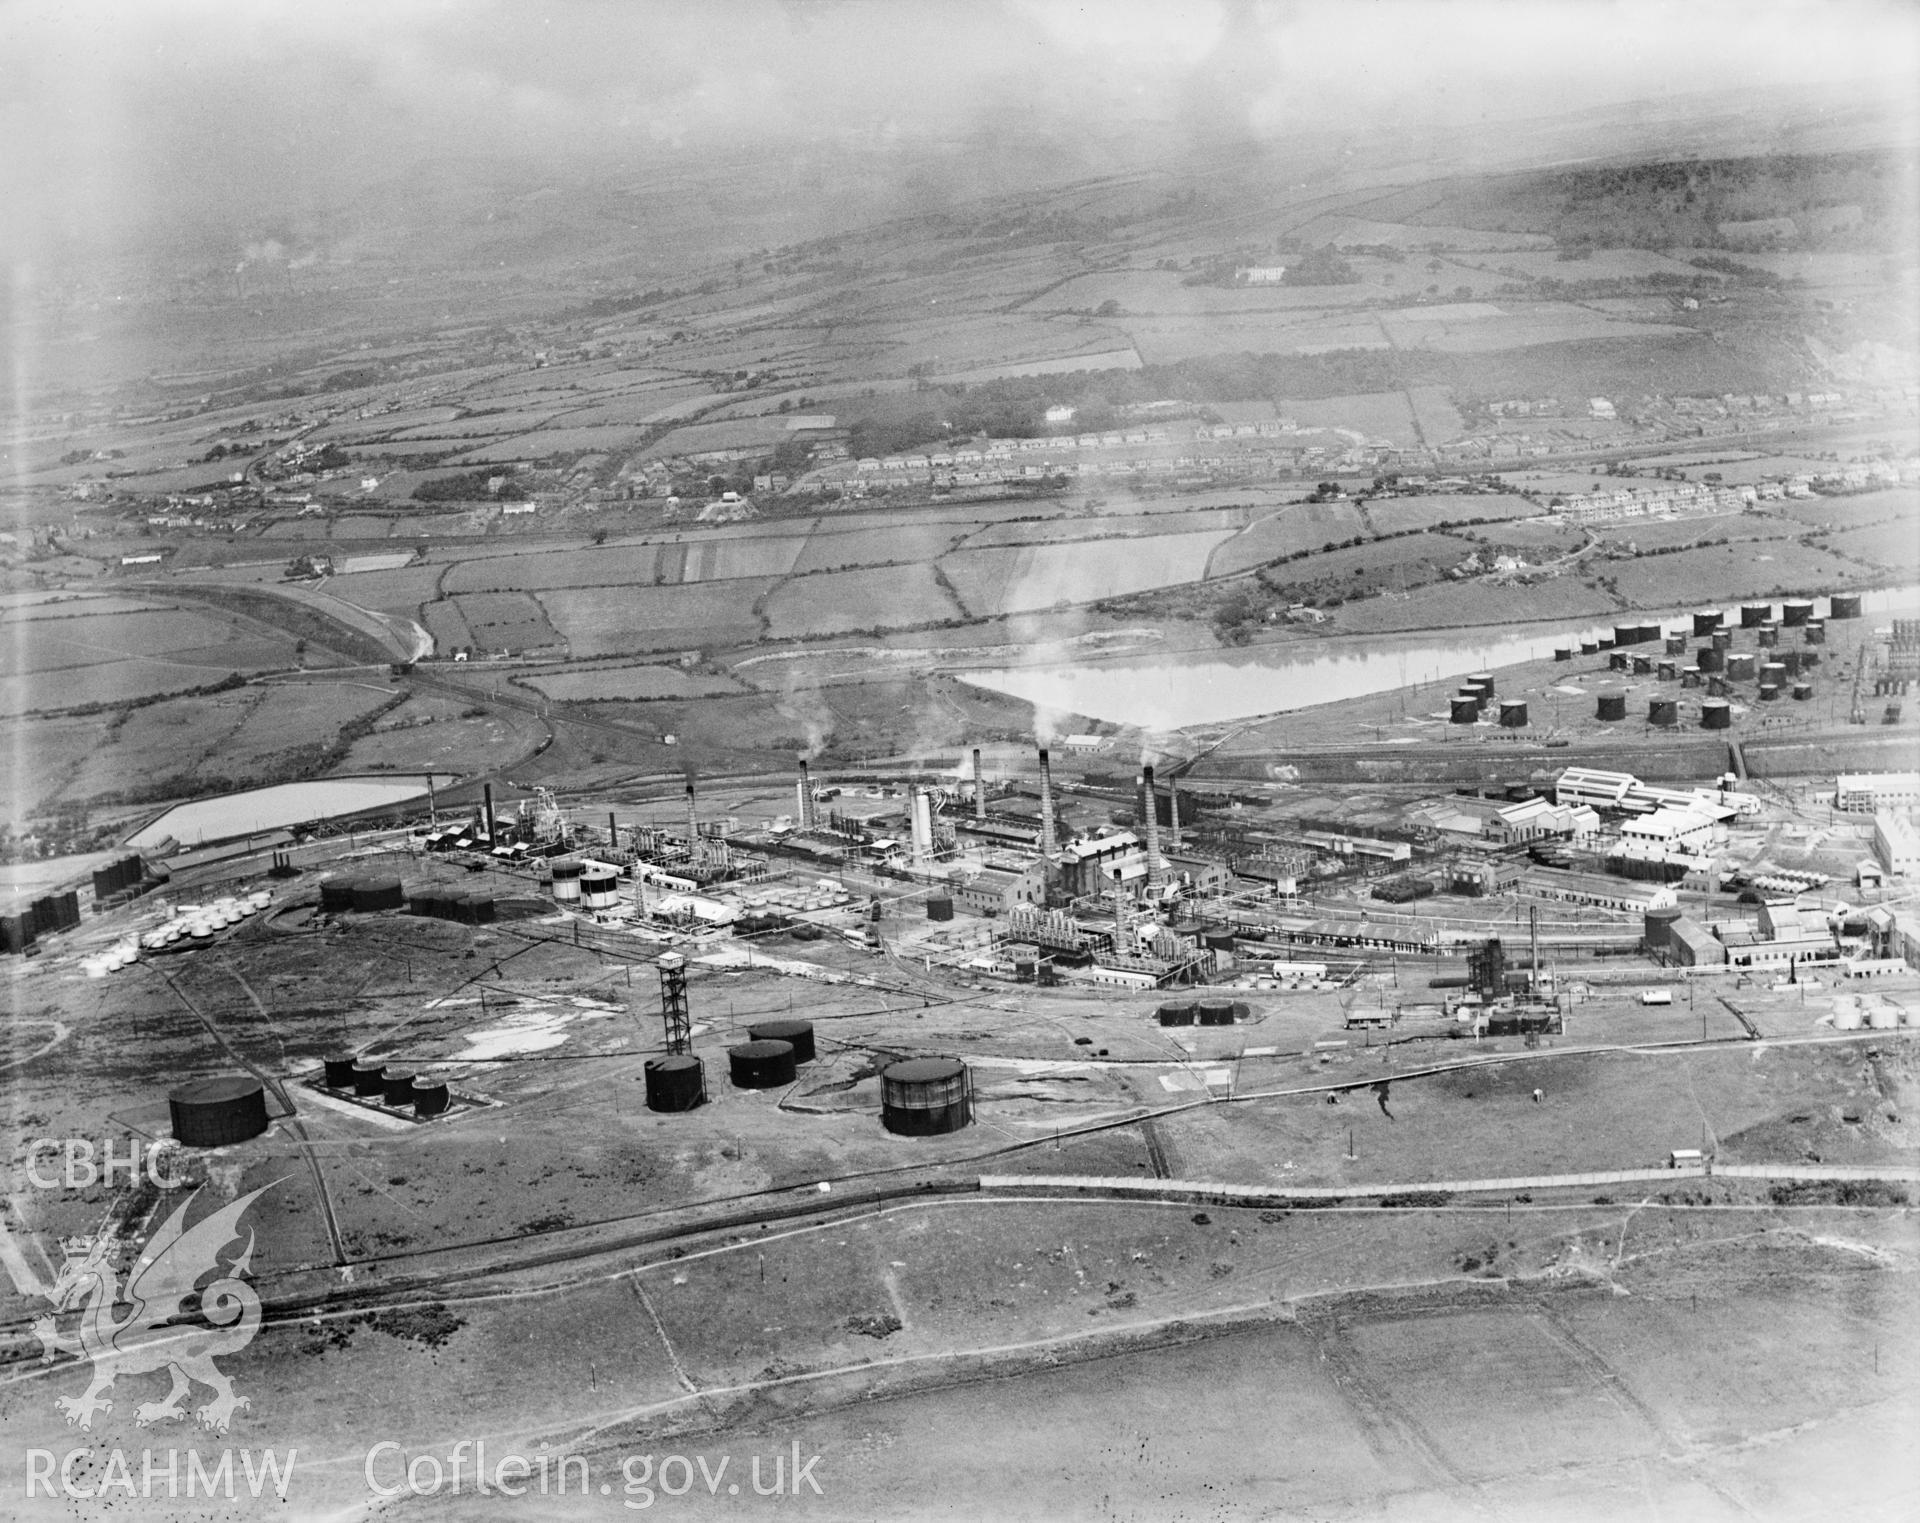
(1896,844)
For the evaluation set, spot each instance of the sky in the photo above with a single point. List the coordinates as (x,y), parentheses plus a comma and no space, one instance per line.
(127,119)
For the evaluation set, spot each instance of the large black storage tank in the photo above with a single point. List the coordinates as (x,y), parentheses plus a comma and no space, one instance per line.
(1711,658)
(1663,712)
(1844,605)
(1176,1013)
(377,892)
(1767,636)
(1676,645)
(1619,661)
(424,901)
(1667,671)
(217,1112)
(1705,621)
(761,1065)
(1563,653)
(939,906)
(476,908)
(367,1079)
(1481,683)
(1741,665)
(16,932)
(1643,666)
(336,895)
(675,1083)
(1625,634)
(430,1096)
(1814,632)
(1659,928)
(1753,615)
(396,1085)
(1796,611)
(1214,1012)
(1716,714)
(1513,713)
(1723,639)
(340,1073)
(1463,711)
(1611,706)
(1802,691)
(796,1034)
(923,1097)
(1589,647)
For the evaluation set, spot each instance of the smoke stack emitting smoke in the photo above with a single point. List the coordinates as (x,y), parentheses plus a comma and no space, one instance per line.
(806,796)
(1049,842)
(1153,827)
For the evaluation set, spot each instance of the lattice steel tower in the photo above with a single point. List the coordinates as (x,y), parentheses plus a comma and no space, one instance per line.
(673,1003)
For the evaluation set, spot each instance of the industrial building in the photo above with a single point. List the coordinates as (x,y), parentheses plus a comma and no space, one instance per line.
(1870,792)
(1896,844)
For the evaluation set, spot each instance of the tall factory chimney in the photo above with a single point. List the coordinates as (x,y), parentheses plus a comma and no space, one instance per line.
(613,832)
(1049,839)
(979,788)
(1155,868)
(487,791)
(921,816)
(693,820)
(1173,813)
(803,791)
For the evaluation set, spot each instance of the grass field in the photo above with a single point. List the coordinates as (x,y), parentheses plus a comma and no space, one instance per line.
(1390,514)
(1020,578)
(1128,525)
(1845,512)
(1894,545)
(831,548)
(436,734)
(508,621)
(837,602)
(399,592)
(631,683)
(1305,526)
(1732,571)
(606,621)
(1456,605)
(1657,533)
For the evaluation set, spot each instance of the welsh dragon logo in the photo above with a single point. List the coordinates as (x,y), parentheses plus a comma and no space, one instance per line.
(169,1271)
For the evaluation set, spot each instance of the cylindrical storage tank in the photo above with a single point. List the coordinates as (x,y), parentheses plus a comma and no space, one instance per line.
(1815,632)
(923,1097)
(1741,666)
(218,1112)
(1643,666)
(1218,941)
(1769,691)
(1676,645)
(1774,672)
(423,901)
(1175,1013)
(1589,647)
(1618,661)
(1792,660)
(1846,1017)
(1705,621)
(1611,706)
(430,1096)
(1482,683)
(567,872)
(1883,1017)
(367,1078)
(1716,714)
(1214,1012)
(396,1086)
(1667,671)
(675,1083)
(1809,659)
(336,894)
(1719,687)
(1605,642)
(599,888)
(1723,639)
(1513,713)
(1767,636)
(1711,658)
(339,1073)
(1844,605)
(1802,691)
(1753,615)
(796,1034)
(1689,676)
(476,908)
(1625,634)
(1796,611)
(377,892)
(939,907)
(1659,927)
(1663,711)
(761,1065)
(1563,653)
(1464,711)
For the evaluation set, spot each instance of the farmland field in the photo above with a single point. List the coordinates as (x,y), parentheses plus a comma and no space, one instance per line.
(290,716)
(1380,414)
(1390,514)
(1732,571)
(917,540)
(692,560)
(444,622)
(47,643)
(1894,545)
(508,621)
(1454,605)
(606,621)
(1017,579)
(1054,530)
(400,592)
(631,683)
(1658,533)
(1843,512)
(836,602)
(1163,340)
(434,734)
(1308,526)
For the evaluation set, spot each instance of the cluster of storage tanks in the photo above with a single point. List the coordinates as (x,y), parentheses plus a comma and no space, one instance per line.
(363,894)
(1200,1012)
(1475,699)
(47,914)
(117,877)
(388,1084)
(919,1097)
(1853,1012)
(191,925)
(1715,665)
